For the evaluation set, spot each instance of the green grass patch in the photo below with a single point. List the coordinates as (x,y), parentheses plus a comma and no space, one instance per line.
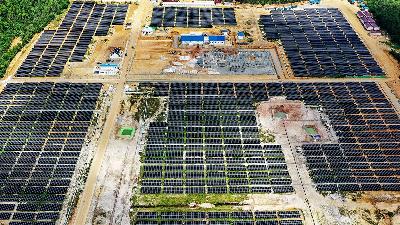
(311,130)
(127,132)
(147,108)
(179,200)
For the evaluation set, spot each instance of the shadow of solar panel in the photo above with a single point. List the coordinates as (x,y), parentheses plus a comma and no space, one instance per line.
(218,21)
(193,12)
(205,24)
(230,22)
(181,12)
(156,21)
(181,22)
(205,14)
(194,22)
(229,16)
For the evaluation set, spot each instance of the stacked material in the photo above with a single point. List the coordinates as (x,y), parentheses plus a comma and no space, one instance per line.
(367,21)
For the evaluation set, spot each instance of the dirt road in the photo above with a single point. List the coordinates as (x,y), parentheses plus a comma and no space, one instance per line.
(86,197)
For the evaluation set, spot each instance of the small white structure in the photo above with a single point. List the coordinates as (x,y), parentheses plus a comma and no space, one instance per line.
(128,26)
(225,32)
(171,69)
(110,69)
(240,35)
(147,31)
(116,54)
(184,58)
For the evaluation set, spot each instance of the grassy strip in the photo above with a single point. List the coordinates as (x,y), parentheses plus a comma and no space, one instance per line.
(222,208)
(180,200)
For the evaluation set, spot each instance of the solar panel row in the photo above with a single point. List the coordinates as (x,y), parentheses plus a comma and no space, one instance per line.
(72,38)
(320,42)
(43,127)
(292,217)
(192,17)
(205,129)
(367,126)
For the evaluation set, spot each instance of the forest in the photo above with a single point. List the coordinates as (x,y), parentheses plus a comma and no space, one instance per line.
(387,15)
(20,20)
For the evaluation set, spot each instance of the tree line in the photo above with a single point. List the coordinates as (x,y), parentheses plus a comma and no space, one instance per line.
(22,19)
(387,15)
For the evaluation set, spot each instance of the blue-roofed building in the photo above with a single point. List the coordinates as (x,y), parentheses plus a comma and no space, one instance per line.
(240,35)
(107,69)
(190,39)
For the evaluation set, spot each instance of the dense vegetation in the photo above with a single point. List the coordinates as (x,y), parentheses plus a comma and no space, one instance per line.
(264,2)
(387,14)
(22,19)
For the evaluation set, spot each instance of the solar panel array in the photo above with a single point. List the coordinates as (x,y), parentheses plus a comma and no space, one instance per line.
(292,217)
(42,129)
(366,157)
(320,42)
(210,144)
(192,17)
(72,38)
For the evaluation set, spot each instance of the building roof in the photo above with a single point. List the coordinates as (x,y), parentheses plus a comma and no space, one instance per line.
(192,38)
(216,38)
(240,34)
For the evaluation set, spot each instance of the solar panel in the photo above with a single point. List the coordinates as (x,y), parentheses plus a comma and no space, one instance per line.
(220,217)
(41,162)
(192,17)
(196,133)
(71,39)
(322,44)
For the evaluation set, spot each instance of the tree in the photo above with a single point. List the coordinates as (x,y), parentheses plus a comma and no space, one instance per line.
(387,15)
(23,18)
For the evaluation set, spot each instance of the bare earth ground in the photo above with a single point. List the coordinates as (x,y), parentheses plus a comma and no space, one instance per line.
(158,51)
(152,56)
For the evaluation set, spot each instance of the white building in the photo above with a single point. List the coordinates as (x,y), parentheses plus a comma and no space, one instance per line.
(110,69)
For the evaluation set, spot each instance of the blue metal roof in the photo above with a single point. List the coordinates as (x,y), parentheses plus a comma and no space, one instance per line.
(192,38)
(216,38)
(240,34)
